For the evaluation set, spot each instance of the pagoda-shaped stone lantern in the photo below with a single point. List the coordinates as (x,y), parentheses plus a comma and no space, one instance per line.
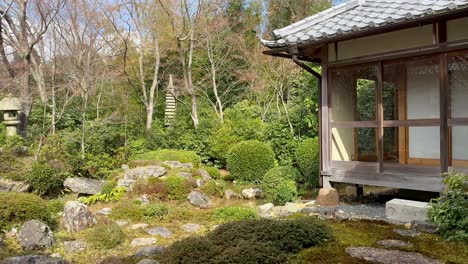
(10,106)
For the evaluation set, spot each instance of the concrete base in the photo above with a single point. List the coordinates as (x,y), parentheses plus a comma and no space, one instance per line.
(406,211)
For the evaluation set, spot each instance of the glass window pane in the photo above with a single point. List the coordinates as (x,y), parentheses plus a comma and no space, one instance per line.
(458,80)
(423,90)
(354,144)
(353,94)
(391,145)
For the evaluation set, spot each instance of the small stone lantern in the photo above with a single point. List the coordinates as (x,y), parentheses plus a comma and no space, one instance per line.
(10,106)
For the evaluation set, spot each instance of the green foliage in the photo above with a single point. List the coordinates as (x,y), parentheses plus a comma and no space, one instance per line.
(45,179)
(17,208)
(178,187)
(279,184)
(127,211)
(106,196)
(248,161)
(282,141)
(154,187)
(105,236)
(450,212)
(234,213)
(213,171)
(183,156)
(307,159)
(158,211)
(250,241)
(55,206)
(213,188)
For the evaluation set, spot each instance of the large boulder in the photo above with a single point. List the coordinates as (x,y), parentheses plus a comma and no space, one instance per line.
(7,185)
(204,174)
(199,200)
(35,234)
(84,185)
(144,172)
(230,194)
(252,193)
(77,217)
(328,197)
(178,165)
(33,259)
(385,256)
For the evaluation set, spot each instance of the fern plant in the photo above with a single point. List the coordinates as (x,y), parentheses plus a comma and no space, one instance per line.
(112,196)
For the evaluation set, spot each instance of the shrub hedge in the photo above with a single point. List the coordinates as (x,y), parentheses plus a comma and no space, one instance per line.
(17,208)
(250,241)
(307,159)
(279,184)
(248,161)
(45,179)
(184,156)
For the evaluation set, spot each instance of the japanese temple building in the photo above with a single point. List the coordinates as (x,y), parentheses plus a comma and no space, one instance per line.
(393,89)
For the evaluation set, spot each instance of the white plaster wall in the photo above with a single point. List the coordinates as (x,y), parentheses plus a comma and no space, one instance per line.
(342,144)
(331,52)
(424,142)
(392,41)
(460,143)
(457,29)
(422,93)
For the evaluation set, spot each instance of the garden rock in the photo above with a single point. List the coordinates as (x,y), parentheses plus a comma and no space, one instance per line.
(230,194)
(199,200)
(424,227)
(204,174)
(294,207)
(77,217)
(186,175)
(265,210)
(84,185)
(321,210)
(280,211)
(121,222)
(33,259)
(393,243)
(148,261)
(144,200)
(143,241)
(178,165)
(126,183)
(149,251)
(138,226)
(7,185)
(199,183)
(144,172)
(105,211)
(160,231)
(74,246)
(328,197)
(191,228)
(385,256)
(407,233)
(252,193)
(35,234)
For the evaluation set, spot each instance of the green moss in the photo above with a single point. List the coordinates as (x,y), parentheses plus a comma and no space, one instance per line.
(17,208)
(105,236)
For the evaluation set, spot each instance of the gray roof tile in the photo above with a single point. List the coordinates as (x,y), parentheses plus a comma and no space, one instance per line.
(359,15)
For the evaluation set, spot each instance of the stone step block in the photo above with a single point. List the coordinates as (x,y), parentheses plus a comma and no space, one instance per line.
(406,210)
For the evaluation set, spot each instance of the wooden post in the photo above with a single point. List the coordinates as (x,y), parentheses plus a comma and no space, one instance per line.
(325,120)
(444,128)
(380,116)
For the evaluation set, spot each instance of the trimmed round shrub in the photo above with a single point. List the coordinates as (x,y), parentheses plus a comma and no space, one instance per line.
(279,184)
(45,179)
(183,156)
(234,213)
(307,159)
(106,236)
(248,161)
(250,241)
(17,208)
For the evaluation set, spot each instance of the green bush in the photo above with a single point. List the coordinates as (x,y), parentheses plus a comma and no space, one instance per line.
(213,171)
(178,187)
(106,196)
(45,179)
(213,188)
(183,156)
(153,187)
(282,141)
(17,208)
(127,211)
(248,161)
(307,159)
(55,206)
(158,211)
(106,236)
(234,213)
(450,212)
(250,241)
(279,185)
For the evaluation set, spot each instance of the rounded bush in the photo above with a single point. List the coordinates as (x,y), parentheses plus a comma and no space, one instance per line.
(17,208)
(279,184)
(248,161)
(106,236)
(307,159)
(45,179)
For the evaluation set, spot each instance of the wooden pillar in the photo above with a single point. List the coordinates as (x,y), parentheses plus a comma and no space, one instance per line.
(380,117)
(444,113)
(325,120)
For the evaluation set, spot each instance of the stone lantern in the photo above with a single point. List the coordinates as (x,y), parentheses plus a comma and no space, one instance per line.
(10,106)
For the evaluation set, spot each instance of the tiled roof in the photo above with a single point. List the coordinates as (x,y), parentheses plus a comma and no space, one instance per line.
(358,16)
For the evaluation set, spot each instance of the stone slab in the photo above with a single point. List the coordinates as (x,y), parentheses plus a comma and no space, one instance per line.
(406,210)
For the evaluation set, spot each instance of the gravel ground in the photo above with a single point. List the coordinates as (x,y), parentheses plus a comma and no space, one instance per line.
(374,211)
